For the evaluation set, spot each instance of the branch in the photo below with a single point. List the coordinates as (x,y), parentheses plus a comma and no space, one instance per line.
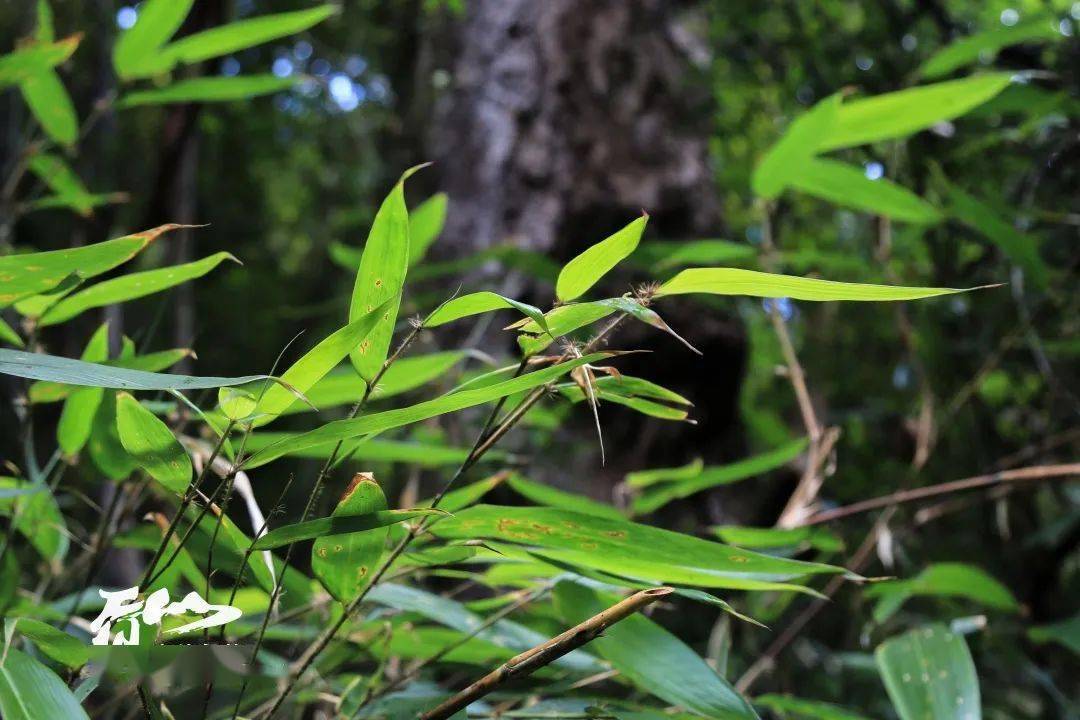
(1038,472)
(531,660)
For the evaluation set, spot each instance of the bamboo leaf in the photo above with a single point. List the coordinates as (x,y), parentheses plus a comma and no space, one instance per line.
(425,224)
(343,562)
(902,113)
(381,277)
(790,155)
(652,658)
(773,537)
(480,302)
(848,186)
(63,181)
(80,407)
(942,580)
(337,525)
(973,48)
(623,548)
(422,454)
(208,89)
(735,281)
(28,62)
(31,691)
(551,497)
(8,335)
(929,674)
(137,51)
(53,643)
(51,105)
(378,422)
(152,444)
(44,391)
(805,709)
(1066,633)
(39,521)
(662,255)
(586,269)
(131,287)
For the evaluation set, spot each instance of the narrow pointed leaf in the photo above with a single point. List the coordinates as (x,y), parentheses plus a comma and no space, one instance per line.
(929,673)
(8,335)
(45,391)
(735,281)
(425,224)
(51,104)
(31,691)
(789,156)
(243,34)
(152,444)
(53,643)
(973,48)
(337,525)
(848,186)
(585,270)
(63,181)
(344,562)
(80,407)
(942,580)
(25,63)
(137,50)
(480,302)
(209,89)
(552,497)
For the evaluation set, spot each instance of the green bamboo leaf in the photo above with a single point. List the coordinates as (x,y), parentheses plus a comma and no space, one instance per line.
(586,269)
(44,391)
(929,675)
(80,407)
(368,450)
(137,51)
(1018,247)
(343,562)
(381,277)
(942,580)
(480,302)
(772,538)
(53,643)
(652,658)
(337,525)
(37,366)
(104,446)
(34,273)
(645,478)
(45,30)
(902,113)
(735,281)
(551,497)
(318,361)
(378,422)
(244,34)
(26,63)
(985,45)
(788,706)
(208,89)
(63,181)
(425,224)
(658,496)
(8,335)
(623,548)
(848,186)
(131,287)
(51,105)
(660,255)
(635,393)
(236,403)
(1066,633)
(31,691)
(40,520)
(790,155)
(152,444)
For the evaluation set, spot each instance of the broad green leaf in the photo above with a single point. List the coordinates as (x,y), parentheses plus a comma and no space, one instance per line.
(243,34)
(848,186)
(25,63)
(551,497)
(80,408)
(208,89)
(8,335)
(656,497)
(37,366)
(31,691)
(56,644)
(343,562)
(973,48)
(381,277)
(734,281)
(623,548)
(794,150)
(40,520)
(336,525)
(652,658)
(34,273)
(44,391)
(801,709)
(942,580)
(773,537)
(378,422)
(320,360)
(1018,247)
(137,51)
(929,675)
(63,181)
(586,269)
(425,224)
(902,113)
(1066,633)
(51,104)
(131,287)
(152,444)
(477,303)
(660,255)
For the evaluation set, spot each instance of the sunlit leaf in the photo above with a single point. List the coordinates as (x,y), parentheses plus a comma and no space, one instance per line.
(208,89)
(53,643)
(986,44)
(942,580)
(25,63)
(792,152)
(662,255)
(236,403)
(80,408)
(344,562)
(31,691)
(137,50)
(425,224)
(51,104)
(8,335)
(131,287)
(735,281)
(367,450)
(848,186)
(477,303)
(902,113)
(336,525)
(152,444)
(582,272)
(929,675)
